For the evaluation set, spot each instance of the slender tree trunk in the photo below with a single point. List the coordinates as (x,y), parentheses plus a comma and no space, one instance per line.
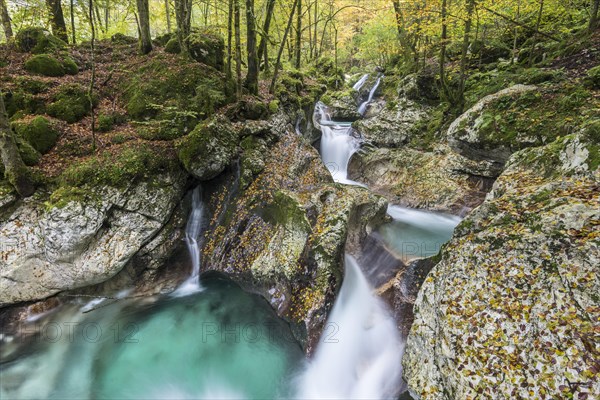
(144,17)
(514,51)
(8,33)
(183,18)
(57,20)
(594,15)
(315,30)
(14,169)
(281,47)
(106,15)
(535,37)
(93,77)
(72,12)
(298,46)
(168,14)
(253,67)
(262,47)
(98,19)
(443,44)
(465,53)
(229,38)
(238,47)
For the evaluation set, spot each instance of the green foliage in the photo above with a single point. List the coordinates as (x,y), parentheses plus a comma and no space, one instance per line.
(593,78)
(105,122)
(117,168)
(71,103)
(37,41)
(273,106)
(44,64)
(39,132)
(66,194)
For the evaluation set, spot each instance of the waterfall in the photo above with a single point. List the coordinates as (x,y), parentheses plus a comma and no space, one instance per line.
(192,237)
(363,107)
(361,82)
(361,356)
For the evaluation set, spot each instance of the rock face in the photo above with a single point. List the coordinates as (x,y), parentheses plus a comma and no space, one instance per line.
(393,125)
(47,251)
(284,234)
(418,179)
(474,134)
(512,309)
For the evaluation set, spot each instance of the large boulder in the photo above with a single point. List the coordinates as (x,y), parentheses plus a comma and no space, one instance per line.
(81,241)
(477,134)
(207,48)
(37,41)
(283,233)
(512,308)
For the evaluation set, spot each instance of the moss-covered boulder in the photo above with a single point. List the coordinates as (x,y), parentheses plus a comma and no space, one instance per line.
(207,47)
(39,132)
(45,64)
(70,66)
(29,155)
(71,103)
(172,46)
(593,78)
(165,85)
(37,41)
(209,149)
(119,38)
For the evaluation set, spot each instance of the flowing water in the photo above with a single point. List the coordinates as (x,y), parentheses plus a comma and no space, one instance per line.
(363,107)
(361,82)
(417,234)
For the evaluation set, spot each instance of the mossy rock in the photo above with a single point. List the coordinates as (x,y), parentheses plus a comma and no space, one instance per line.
(173,46)
(208,48)
(37,41)
(249,108)
(489,52)
(71,103)
(45,64)
(39,132)
(20,103)
(70,66)
(162,40)
(119,38)
(209,149)
(29,155)
(162,86)
(119,168)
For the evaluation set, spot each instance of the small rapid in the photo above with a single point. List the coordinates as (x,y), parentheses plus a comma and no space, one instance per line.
(362,109)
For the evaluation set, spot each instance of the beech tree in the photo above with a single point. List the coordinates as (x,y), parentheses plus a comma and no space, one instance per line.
(252,75)
(57,19)
(5,17)
(144,20)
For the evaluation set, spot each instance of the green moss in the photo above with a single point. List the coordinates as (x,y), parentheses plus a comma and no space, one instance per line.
(29,155)
(70,66)
(119,168)
(106,122)
(38,132)
(37,41)
(273,106)
(207,47)
(71,103)
(44,64)
(173,46)
(64,195)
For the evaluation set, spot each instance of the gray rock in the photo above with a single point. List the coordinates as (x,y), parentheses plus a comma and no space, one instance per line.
(512,309)
(47,251)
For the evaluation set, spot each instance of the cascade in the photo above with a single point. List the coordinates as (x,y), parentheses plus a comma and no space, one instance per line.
(193,230)
(361,82)
(362,360)
(363,107)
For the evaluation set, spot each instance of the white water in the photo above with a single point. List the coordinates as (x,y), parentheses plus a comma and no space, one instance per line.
(361,82)
(361,359)
(363,107)
(192,237)
(337,145)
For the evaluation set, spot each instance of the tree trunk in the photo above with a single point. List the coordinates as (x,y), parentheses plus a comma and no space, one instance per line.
(262,47)
(594,15)
(281,47)
(183,18)
(144,17)
(106,14)
(8,33)
(57,20)
(14,169)
(72,12)
(464,54)
(516,39)
(298,46)
(168,14)
(535,37)
(315,30)
(238,47)
(252,76)
(93,78)
(443,44)
(229,38)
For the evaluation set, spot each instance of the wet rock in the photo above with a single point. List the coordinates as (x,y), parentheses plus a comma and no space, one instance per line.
(511,309)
